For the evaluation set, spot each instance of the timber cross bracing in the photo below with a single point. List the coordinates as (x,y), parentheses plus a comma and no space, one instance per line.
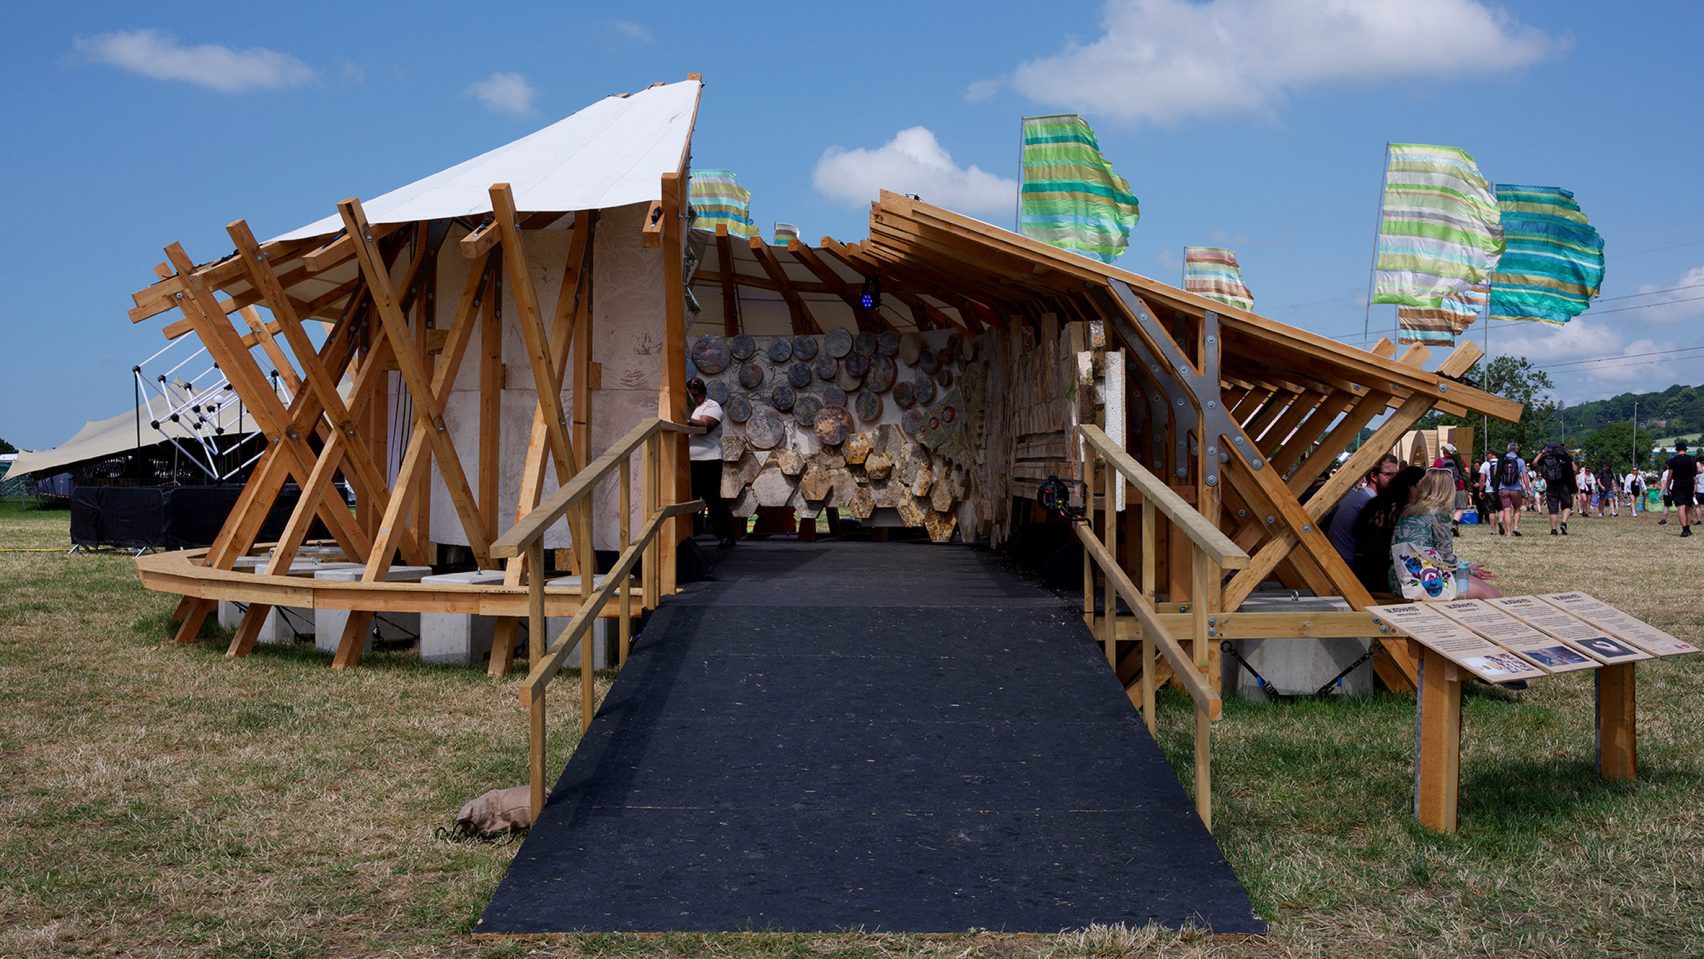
(377,288)
(1253,411)
(1239,414)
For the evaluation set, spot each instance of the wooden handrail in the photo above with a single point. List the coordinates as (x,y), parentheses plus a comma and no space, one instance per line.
(531,527)
(552,662)
(1183,667)
(1205,536)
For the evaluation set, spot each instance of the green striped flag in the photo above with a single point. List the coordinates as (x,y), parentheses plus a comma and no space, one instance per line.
(1553,266)
(1071,198)
(1439,230)
(719,200)
(1212,271)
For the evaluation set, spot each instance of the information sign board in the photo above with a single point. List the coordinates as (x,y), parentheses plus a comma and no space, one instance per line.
(1629,629)
(1545,652)
(1456,643)
(1576,632)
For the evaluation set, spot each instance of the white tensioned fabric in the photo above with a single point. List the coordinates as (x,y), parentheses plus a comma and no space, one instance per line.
(610,154)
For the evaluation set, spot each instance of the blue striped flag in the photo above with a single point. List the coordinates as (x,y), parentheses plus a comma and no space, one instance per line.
(1553,266)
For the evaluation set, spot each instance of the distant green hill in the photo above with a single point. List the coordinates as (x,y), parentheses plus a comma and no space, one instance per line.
(1676,411)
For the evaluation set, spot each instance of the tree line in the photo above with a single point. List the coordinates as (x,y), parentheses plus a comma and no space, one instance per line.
(1599,431)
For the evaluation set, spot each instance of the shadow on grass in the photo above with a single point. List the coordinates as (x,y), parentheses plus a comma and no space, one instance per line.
(1516,793)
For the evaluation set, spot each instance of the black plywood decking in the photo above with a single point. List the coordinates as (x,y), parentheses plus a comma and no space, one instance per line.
(882,737)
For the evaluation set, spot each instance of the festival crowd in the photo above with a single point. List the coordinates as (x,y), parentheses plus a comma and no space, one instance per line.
(1394,506)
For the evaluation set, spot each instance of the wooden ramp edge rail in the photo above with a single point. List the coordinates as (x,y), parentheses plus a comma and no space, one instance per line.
(574,501)
(1211,552)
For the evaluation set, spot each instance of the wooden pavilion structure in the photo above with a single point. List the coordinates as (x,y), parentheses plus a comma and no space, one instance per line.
(513,342)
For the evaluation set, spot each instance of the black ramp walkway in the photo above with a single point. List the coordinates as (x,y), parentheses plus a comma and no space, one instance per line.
(885,737)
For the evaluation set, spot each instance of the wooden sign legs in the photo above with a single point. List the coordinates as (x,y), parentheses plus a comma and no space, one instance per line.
(1437,745)
(1617,726)
(1437,749)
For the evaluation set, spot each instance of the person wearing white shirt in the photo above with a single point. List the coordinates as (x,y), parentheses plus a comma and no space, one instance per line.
(705,452)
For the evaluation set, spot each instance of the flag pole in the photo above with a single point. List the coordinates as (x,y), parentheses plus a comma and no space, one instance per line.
(1484,379)
(1378,227)
(1018,201)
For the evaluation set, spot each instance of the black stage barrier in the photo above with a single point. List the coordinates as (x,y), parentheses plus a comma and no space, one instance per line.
(167,517)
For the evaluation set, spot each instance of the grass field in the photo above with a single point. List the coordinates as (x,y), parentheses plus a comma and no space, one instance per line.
(160,800)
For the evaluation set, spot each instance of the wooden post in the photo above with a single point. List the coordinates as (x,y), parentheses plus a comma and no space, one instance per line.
(1198,606)
(648,500)
(671,399)
(1149,660)
(1110,594)
(626,634)
(535,754)
(535,602)
(1437,747)
(490,404)
(588,570)
(1089,457)
(1617,723)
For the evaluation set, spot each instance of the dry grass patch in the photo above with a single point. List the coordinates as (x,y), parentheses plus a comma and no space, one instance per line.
(162,800)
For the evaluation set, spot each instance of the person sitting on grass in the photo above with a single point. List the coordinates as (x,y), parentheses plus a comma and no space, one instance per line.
(1375,526)
(1425,524)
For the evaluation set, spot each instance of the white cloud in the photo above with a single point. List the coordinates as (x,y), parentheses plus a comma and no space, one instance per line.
(505,92)
(1162,60)
(160,56)
(1678,302)
(1167,263)
(912,162)
(981,90)
(632,30)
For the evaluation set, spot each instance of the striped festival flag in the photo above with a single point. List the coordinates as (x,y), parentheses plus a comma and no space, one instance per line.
(1554,264)
(1438,230)
(1441,325)
(1071,198)
(1212,271)
(719,200)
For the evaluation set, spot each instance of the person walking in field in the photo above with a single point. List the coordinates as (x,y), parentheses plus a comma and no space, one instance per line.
(1513,487)
(1448,459)
(1557,468)
(1608,490)
(1682,477)
(1668,501)
(1634,486)
(1485,488)
(1588,490)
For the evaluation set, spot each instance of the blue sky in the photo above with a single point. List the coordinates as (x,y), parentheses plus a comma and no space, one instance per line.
(1256,124)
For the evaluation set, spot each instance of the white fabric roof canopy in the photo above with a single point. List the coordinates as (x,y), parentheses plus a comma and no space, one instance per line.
(100,439)
(609,154)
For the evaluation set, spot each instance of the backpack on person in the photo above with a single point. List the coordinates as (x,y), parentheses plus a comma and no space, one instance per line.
(1558,467)
(1509,472)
